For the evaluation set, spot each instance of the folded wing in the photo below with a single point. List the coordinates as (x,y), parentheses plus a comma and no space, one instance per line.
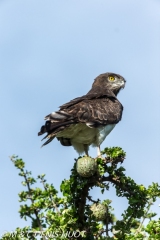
(93,110)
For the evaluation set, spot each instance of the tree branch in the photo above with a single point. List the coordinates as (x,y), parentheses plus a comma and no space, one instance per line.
(35,210)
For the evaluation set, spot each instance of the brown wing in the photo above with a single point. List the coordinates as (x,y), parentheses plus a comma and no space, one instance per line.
(93,112)
(96,112)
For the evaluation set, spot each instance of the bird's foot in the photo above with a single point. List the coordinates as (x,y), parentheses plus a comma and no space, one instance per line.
(100,156)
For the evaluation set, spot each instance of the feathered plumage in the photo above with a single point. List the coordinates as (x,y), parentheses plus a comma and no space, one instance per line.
(87,120)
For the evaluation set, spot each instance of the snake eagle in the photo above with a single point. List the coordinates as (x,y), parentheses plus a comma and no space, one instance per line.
(87,120)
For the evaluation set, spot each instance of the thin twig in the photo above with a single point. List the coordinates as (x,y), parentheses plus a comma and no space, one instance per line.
(143,219)
(90,199)
(107,223)
(54,205)
(35,211)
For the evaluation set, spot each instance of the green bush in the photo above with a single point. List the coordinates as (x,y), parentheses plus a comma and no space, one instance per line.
(72,217)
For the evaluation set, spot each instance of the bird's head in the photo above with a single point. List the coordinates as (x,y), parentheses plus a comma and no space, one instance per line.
(110,81)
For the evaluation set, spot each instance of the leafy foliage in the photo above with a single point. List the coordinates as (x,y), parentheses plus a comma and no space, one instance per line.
(72,217)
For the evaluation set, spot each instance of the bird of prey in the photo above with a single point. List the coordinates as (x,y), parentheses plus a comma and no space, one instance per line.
(87,120)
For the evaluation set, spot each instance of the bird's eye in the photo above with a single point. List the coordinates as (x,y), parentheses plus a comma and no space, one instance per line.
(111,78)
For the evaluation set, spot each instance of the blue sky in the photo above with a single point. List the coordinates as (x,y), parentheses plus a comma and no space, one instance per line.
(50,52)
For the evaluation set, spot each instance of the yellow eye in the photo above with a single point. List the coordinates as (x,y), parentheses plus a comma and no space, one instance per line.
(111,78)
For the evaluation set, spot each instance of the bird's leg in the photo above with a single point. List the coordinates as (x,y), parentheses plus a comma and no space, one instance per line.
(99,151)
(86,149)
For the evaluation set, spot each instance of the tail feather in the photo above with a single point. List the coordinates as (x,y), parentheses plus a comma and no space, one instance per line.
(59,115)
(52,127)
(48,141)
(56,122)
(42,130)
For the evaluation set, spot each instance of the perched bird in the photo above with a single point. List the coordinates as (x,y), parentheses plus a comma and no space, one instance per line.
(87,120)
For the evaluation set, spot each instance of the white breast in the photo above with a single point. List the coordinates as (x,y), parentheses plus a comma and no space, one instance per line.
(103,132)
(80,134)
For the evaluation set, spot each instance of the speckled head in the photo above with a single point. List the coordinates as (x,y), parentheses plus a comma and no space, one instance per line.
(112,81)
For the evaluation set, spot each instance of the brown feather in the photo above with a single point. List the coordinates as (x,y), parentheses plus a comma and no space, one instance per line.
(99,107)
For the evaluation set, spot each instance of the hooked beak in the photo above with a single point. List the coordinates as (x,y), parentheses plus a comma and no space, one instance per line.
(123,83)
